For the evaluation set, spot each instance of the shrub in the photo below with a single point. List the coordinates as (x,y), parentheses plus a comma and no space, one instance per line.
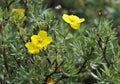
(38,47)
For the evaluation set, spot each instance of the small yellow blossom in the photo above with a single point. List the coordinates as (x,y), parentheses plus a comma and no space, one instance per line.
(50,81)
(38,42)
(41,40)
(73,20)
(18,13)
(32,48)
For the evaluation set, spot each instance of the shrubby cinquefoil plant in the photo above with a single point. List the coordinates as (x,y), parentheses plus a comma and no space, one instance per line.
(38,47)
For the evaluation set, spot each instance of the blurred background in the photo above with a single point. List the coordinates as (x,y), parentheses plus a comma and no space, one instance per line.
(89,9)
(82,8)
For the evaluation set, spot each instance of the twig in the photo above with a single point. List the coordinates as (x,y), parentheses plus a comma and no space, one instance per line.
(54,72)
(47,58)
(100,14)
(100,42)
(48,76)
(66,35)
(18,62)
(5,59)
(85,61)
(0,28)
(81,68)
(18,29)
(103,48)
(61,78)
(11,2)
(8,4)
(104,52)
(24,3)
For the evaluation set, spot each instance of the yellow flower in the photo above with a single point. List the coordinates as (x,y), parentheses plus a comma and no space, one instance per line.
(73,20)
(41,40)
(32,48)
(50,81)
(38,42)
(18,13)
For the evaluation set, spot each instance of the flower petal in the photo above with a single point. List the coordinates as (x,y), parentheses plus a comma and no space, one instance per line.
(50,81)
(75,25)
(42,33)
(47,41)
(32,48)
(66,18)
(81,20)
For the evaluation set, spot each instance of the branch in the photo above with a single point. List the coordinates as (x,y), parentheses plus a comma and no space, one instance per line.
(61,78)
(104,52)
(11,2)
(85,61)
(19,33)
(103,48)
(24,3)
(100,42)
(5,59)
(81,68)
(8,4)
(54,71)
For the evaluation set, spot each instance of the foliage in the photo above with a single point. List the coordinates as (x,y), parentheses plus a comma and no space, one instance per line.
(87,55)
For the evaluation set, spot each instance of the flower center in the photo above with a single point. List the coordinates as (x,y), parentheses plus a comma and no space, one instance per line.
(40,40)
(72,20)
